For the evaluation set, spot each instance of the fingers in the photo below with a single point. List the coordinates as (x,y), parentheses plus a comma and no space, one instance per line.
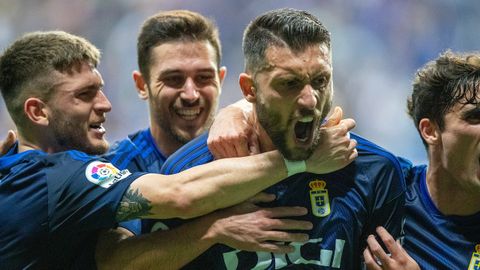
(352,150)
(262,197)
(348,124)
(217,151)
(387,239)
(253,144)
(376,250)
(290,224)
(8,142)
(370,261)
(274,247)
(334,118)
(278,236)
(241,148)
(285,211)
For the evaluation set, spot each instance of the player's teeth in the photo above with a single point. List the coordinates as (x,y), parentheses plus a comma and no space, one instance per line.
(306,119)
(188,112)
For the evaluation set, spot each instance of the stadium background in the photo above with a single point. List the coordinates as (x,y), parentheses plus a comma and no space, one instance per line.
(377,47)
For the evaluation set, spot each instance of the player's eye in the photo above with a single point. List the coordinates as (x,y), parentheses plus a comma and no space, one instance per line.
(289,85)
(319,83)
(176,81)
(204,79)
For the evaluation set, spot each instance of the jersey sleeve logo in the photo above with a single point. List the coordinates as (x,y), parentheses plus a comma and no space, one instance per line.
(104,174)
(319,198)
(475,260)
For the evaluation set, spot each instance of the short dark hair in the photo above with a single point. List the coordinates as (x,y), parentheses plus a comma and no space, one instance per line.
(26,66)
(295,29)
(452,78)
(174,25)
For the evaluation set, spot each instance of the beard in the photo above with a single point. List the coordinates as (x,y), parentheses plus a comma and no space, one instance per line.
(271,123)
(69,136)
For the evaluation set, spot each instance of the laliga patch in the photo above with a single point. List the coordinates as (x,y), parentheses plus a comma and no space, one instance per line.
(319,198)
(104,174)
(475,260)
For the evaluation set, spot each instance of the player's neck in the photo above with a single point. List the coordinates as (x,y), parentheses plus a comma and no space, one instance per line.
(449,196)
(24,144)
(166,144)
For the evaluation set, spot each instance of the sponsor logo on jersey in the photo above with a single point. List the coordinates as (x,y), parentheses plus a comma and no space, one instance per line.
(475,260)
(319,198)
(104,174)
(240,259)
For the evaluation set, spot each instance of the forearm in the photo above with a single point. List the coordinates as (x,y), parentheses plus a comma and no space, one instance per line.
(215,185)
(231,181)
(170,249)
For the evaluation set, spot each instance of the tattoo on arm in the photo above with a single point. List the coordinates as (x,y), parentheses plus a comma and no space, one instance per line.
(133,205)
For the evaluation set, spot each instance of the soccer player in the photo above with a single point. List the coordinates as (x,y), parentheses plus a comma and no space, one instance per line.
(288,80)
(180,75)
(443,199)
(54,203)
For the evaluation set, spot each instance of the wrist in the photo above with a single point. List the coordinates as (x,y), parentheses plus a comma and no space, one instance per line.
(295,166)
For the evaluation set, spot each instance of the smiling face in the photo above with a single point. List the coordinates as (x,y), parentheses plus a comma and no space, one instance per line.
(459,150)
(293,96)
(184,87)
(77,111)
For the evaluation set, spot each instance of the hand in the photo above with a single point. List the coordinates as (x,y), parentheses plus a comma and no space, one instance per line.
(6,144)
(232,133)
(376,258)
(251,228)
(335,150)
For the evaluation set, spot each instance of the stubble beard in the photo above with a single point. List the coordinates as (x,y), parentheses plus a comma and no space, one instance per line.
(270,121)
(69,136)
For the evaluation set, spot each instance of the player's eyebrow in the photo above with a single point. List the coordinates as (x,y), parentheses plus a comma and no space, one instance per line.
(471,112)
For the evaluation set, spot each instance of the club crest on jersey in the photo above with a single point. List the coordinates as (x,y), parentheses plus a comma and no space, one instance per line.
(104,174)
(475,260)
(319,198)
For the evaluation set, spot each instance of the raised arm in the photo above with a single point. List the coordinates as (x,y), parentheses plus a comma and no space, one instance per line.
(226,182)
(232,133)
(244,226)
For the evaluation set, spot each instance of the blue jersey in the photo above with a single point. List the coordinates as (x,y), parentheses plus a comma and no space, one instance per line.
(53,206)
(345,207)
(137,153)
(434,240)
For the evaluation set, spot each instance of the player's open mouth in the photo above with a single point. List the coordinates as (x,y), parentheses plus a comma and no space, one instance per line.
(188,114)
(98,128)
(303,129)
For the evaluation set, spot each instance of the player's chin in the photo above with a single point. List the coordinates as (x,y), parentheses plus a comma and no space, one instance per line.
(98,147)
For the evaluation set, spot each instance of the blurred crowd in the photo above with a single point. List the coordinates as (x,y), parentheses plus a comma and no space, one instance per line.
(377,44)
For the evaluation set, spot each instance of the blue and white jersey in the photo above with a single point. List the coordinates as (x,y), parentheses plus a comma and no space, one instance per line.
(434,240)
(345,207)
(53,206)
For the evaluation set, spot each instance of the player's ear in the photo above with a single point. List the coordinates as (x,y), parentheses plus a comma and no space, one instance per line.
(248,89)
(222,72)
(37,111)
(429,131)
(140,84)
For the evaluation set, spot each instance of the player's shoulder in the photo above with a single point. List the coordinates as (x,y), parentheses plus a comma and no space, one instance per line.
(132,144)
(369,151)
(376,160)
(192,154)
